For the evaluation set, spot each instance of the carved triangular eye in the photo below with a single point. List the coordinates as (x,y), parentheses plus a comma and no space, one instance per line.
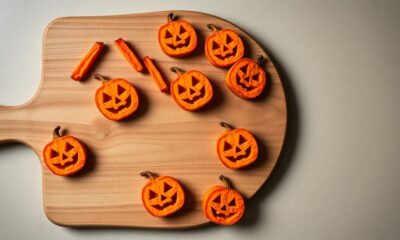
(181,29)
(228,39)
(244,68)
(181,89)
(217,199)
(242,139)
(54,154)
(167,187)
(232,203)
(68,147)
(120,90)
(106,97)
(152,194)
(215,45)
(255,76)
(237,78)
(195,81)
(168,34)
(227,146)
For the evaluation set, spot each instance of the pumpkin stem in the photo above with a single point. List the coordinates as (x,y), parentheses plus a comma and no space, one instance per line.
(225,181)
(260,59)
(171,17)
(212,27)
(100,77)
(226,125)
(176,70)
(148,175)
(56,132)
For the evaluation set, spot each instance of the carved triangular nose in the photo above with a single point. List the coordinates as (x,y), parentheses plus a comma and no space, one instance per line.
(237,149)
(163,197)
(117,100)
(223,208)
(178,38)
(225,49)
(64,156)
(192,92)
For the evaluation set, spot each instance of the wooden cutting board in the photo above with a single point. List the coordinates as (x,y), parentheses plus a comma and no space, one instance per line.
(161,137)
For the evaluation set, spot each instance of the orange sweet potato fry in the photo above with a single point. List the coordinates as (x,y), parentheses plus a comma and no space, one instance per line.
(129,54)
(87,61)
(155,74)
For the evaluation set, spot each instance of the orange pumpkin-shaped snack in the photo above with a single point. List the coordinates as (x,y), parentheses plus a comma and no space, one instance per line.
(65,155)
(191,90)
(246,78)
(236,148)
(177,38)
(162,196)
(224,47)
(222,204)
(116,99)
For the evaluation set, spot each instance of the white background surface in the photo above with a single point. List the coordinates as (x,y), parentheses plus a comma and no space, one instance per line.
(340,173)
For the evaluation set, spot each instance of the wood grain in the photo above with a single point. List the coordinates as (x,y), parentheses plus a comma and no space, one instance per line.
(161,137)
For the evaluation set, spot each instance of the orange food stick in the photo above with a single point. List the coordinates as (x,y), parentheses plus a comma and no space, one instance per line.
(128,54)
(155,74)
(87,61)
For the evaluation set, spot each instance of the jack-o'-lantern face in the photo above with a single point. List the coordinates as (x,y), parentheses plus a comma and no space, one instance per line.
(246,78)
(237,148)
(163,196)
(177,38)
(191,90)
(224,47)
(223,205)
(117,99)
(64,155)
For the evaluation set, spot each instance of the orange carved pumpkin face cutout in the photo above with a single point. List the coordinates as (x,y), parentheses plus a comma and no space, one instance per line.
(246,78)
(237,148)
(191,90)
(223,205)
(116,99)
(177,38)
(224,47)
(162,196)
(65,155)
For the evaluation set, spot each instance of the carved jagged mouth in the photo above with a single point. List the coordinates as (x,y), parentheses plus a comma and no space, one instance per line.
(196,98)
(67,164)
(221,215)
(240,157)
(245,86)
(180,45)
(121,107)
(229,55)
(171,203)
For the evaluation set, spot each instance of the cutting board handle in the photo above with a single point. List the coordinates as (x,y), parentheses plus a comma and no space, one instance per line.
(14,124)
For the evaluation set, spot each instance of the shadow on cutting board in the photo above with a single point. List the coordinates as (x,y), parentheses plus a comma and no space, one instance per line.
(253,211)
